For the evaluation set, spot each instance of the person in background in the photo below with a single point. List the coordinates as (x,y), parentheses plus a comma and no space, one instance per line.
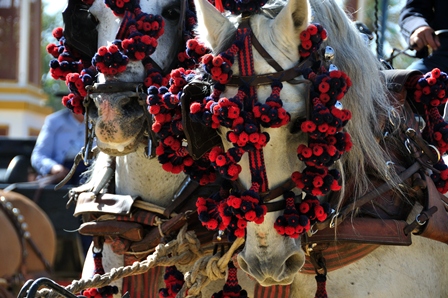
(423,24)
(60,139)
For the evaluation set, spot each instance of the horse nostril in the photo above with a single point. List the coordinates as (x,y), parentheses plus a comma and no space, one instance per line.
(124,101)
(242,263)
(131,106)
(295,262)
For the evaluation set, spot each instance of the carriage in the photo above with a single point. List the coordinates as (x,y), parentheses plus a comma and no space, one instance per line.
(302,171)
(45,216)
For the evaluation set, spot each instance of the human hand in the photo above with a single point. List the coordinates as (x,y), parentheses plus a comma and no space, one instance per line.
(424,36)
(59,172)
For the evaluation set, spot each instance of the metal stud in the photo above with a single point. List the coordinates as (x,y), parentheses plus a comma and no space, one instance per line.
(338,105)
(220,234)
(329,53)
(8,205)
(332,67)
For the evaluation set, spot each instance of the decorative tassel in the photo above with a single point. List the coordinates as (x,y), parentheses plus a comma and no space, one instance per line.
(293,222)
(321,291)
(219,6)
(110,60)
(431,91)
(231,212)
(231,288)
(311,39)
(174,280)
(104,292)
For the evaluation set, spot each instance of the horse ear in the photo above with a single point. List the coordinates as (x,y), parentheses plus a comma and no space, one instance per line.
(293,16)
(212,25)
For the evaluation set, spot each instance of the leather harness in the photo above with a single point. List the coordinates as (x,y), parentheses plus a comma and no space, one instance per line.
(366,232)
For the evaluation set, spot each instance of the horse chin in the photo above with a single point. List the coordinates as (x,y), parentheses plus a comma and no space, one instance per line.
(123,148)
(267,282)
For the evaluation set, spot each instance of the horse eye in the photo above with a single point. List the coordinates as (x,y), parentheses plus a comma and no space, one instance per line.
(171,13)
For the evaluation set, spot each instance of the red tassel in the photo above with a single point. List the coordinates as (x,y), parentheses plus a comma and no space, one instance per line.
(103,292)
(321,291)
(219,6)
(231,288)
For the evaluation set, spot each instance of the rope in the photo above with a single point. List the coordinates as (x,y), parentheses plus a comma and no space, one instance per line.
(207,269)
(183,250)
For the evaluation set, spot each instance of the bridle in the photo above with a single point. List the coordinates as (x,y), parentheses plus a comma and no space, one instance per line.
(135,89)
(255,80)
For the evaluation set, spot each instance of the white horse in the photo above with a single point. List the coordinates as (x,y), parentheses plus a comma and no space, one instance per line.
(272,259)
(119,123)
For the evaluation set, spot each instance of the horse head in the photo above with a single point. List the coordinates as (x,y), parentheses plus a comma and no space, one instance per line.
(267,256)
(275,256)
(137,47)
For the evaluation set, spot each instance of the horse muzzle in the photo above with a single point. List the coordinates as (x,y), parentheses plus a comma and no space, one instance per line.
(270,258)
(272,270)
(118,120)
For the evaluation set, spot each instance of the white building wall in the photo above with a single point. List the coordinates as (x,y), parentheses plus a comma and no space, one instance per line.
(20,122)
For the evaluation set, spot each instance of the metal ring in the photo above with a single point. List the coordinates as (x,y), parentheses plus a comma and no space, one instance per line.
(437,151)
(393,113)
(389,164)
(418,221)
(312,231)
(409,130)
(332,221)
(406,144)
(100,250)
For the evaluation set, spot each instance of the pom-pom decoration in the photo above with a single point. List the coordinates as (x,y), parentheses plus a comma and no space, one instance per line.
(110,60)
(103,292)
(311,39)
(296,221)
(431,91)
(174,280)
(232,288)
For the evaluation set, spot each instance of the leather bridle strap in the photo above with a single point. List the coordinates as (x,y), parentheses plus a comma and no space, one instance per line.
(265,79)
(340,216)
(113,87)
(266,56)
(278,191)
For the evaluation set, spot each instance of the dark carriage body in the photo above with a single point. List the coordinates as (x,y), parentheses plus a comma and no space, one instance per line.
(14,169)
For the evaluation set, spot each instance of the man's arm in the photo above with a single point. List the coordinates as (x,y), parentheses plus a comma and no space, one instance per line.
(414,23)
(42,155)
